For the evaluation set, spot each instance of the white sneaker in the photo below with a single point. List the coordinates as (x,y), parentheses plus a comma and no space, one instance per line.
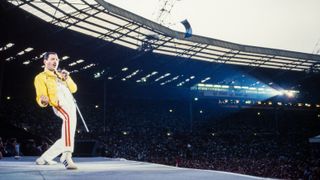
(51,162)
(67,161)
(41,161)
(69,165)
(63,157)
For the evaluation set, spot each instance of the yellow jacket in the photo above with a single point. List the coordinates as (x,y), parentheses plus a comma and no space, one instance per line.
(46,85)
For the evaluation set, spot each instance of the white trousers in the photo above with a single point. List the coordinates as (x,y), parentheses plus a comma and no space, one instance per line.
(68,113)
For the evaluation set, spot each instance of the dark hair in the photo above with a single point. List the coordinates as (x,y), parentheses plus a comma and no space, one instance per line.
(47,54)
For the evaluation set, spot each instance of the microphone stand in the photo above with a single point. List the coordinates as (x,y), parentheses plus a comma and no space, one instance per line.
(83,121)
(78,110)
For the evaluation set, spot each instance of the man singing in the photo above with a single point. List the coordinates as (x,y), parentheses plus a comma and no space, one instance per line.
(54,88)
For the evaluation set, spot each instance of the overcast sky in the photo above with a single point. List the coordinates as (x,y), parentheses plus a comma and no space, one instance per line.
(281,24)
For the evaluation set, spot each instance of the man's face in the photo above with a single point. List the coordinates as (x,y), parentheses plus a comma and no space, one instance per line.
(52,62)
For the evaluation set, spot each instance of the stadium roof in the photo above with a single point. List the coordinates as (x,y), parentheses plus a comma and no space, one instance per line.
(107,22)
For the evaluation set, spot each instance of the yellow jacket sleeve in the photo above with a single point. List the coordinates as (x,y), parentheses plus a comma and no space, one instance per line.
(41,89)
(71,85)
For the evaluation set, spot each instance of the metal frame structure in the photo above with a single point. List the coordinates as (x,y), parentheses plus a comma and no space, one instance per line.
(105,21)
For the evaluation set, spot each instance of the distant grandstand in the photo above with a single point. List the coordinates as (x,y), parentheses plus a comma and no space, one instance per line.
(105,21)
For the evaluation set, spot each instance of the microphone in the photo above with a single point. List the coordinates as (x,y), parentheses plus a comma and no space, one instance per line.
(64,72)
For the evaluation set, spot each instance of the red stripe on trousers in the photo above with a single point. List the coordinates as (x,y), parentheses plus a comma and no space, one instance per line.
(67,125)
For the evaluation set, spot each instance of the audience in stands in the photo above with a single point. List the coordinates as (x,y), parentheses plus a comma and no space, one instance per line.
(2,149)
(163,132)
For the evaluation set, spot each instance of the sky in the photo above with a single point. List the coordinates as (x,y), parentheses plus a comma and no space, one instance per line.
(281,24)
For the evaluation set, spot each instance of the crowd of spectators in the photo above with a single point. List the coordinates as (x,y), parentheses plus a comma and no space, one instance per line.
(11,148)
(253,142)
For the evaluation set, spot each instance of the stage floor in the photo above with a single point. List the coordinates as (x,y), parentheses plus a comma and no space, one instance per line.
(107,168)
